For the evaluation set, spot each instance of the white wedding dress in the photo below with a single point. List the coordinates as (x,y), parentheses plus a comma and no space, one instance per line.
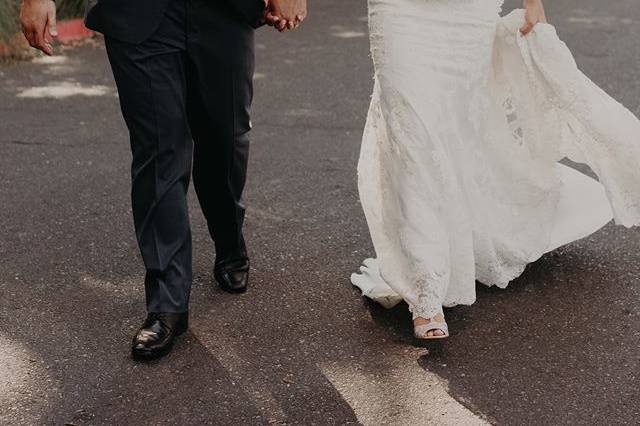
(458,174)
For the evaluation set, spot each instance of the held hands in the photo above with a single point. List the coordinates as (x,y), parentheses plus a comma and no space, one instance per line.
(38,20)
(285,14)
(534,14)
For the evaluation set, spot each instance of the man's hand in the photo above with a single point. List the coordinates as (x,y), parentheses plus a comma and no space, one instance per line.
(38,19)
(286,14)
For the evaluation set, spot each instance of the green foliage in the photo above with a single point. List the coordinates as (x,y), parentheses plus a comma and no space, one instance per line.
(70,8)
(8,17)
(10,9)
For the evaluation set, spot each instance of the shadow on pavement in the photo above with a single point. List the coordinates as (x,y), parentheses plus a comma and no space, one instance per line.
(559,346)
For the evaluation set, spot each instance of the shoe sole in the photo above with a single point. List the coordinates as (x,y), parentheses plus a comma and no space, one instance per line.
(232,290)
(432,338)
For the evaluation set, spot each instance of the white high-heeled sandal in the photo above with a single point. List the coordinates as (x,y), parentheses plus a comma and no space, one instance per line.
(420,331)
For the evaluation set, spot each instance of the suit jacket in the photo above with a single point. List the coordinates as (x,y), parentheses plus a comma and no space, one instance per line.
(134,21)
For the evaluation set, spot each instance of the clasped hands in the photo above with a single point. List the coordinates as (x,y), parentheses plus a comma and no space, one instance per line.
(285,14)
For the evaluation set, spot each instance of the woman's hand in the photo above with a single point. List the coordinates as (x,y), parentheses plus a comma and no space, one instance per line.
(534,14)
(285,14)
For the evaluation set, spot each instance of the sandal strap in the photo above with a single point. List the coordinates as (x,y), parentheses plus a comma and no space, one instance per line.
(423,329)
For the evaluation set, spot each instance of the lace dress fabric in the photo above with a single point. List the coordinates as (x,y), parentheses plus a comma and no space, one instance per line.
(458,173)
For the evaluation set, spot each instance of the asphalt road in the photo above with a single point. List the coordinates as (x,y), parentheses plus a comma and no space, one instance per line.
(560,346)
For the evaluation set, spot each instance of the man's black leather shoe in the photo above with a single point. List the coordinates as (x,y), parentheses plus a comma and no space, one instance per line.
(157,334)
(233,277)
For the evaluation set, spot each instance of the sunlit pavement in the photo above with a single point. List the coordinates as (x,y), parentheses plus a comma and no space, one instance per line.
(560,346)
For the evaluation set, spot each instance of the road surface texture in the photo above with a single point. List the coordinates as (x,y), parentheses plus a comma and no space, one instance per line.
(560,346)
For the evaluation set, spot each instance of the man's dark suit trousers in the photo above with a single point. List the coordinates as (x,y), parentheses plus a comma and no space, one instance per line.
(185,93)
